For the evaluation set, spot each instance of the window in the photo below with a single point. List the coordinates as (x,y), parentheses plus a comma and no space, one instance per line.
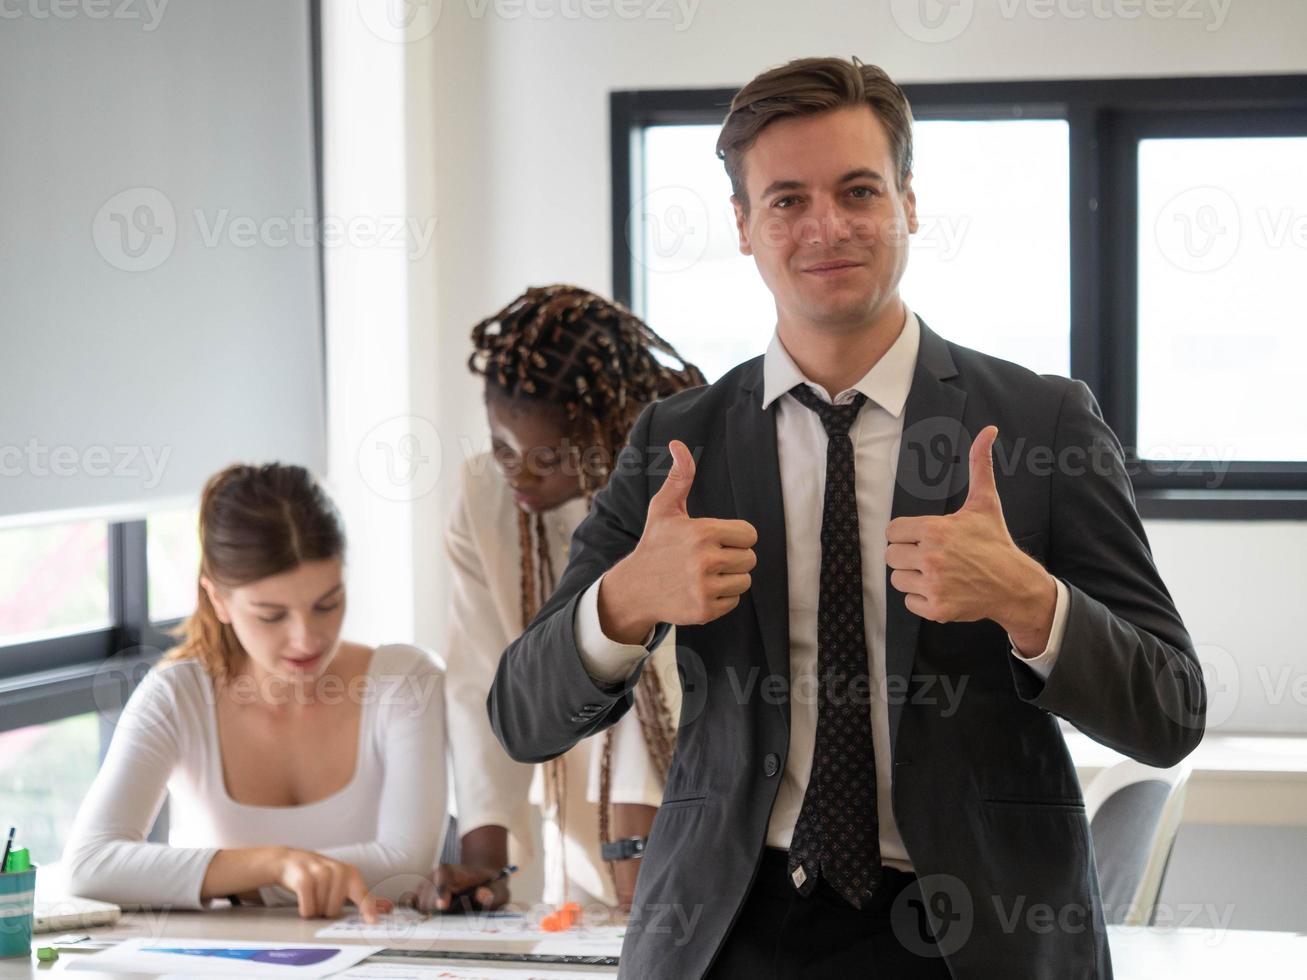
(1146,236)
(45,770)
(86,601)
(697,290)
(173,552)
(71,596)
(991,260)
(992,222)
(1222,251)
(53,579)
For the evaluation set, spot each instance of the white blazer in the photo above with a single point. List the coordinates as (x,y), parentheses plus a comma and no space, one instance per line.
(481,541)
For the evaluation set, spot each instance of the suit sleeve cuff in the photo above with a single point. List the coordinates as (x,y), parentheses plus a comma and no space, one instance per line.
(605,660)
(1043,664)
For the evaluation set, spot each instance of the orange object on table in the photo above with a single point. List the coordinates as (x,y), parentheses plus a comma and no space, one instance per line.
(565,917)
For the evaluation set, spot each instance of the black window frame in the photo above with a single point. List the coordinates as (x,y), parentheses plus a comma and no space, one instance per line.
(54,677)
(1106,118)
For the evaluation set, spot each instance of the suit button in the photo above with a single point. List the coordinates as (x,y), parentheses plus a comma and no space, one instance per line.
(771,765)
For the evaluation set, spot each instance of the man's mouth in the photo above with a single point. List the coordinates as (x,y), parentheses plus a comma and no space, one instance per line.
(831,268)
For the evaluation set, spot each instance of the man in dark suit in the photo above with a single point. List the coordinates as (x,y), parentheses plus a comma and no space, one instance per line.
(877,626)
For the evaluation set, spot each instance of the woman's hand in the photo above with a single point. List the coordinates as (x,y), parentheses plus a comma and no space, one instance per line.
(449,880)
(323,884)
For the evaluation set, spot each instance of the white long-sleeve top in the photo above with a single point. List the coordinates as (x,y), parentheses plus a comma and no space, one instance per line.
(388,820)
(481,541)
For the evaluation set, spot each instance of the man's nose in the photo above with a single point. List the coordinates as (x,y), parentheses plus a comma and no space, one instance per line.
(826,224)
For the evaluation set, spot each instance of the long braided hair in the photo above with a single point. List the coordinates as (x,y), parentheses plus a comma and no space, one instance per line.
(595,359)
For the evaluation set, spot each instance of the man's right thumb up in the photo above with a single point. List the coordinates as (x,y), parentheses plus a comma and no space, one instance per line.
(672,495)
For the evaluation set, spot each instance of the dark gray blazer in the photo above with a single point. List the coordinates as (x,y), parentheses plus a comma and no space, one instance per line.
(984,791)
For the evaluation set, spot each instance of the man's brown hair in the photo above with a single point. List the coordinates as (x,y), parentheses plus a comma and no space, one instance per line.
(806,87)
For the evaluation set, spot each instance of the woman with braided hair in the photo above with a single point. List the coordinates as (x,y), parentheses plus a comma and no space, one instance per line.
(566,374)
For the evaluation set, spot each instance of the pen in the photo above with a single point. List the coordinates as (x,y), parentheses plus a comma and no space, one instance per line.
(9,844)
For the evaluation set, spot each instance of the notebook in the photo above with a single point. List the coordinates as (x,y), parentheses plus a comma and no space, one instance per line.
(62,914)
(57,911)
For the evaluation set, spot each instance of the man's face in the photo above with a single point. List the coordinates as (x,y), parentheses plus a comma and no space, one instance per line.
(827,224)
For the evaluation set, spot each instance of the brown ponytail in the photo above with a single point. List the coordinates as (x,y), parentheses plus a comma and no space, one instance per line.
(255,521)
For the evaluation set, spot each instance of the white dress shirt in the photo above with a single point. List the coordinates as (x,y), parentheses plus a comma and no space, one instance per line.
(801,443)
(481,542)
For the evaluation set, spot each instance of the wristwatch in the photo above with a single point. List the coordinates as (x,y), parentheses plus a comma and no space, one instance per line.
(624,849)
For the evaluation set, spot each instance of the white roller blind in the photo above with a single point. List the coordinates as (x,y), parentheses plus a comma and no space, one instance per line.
(159,289)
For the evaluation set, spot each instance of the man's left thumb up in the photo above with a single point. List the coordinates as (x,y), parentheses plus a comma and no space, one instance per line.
(982,493)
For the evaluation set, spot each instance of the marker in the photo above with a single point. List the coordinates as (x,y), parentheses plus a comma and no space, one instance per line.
(9,846)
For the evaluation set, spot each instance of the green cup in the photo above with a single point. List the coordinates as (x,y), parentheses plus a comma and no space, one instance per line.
(17,899)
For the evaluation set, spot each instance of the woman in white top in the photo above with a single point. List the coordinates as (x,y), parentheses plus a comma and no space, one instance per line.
(567,372)
(300,769)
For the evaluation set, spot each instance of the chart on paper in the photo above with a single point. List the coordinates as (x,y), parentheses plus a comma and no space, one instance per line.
(203,957)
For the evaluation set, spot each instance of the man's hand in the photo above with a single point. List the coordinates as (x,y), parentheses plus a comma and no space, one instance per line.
(964,566)
(684,570)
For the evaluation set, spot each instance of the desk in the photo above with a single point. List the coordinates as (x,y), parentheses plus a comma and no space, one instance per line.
(1137,953)
(1250,780)
(258,924)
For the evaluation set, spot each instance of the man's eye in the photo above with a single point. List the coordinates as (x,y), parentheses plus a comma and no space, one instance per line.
(870,192)
(784,202)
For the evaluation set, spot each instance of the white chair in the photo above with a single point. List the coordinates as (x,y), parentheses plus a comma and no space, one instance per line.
(1134,813)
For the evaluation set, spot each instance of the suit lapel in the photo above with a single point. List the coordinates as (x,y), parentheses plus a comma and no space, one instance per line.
(755,473)
(932,468)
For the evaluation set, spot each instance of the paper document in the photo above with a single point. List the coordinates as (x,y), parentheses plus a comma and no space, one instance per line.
(407,925)
(394,971)
(214,958)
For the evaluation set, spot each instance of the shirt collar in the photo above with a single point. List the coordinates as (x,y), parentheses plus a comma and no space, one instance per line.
(887,383)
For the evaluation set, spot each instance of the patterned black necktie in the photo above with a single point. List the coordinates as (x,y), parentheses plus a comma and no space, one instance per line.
(838,831)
